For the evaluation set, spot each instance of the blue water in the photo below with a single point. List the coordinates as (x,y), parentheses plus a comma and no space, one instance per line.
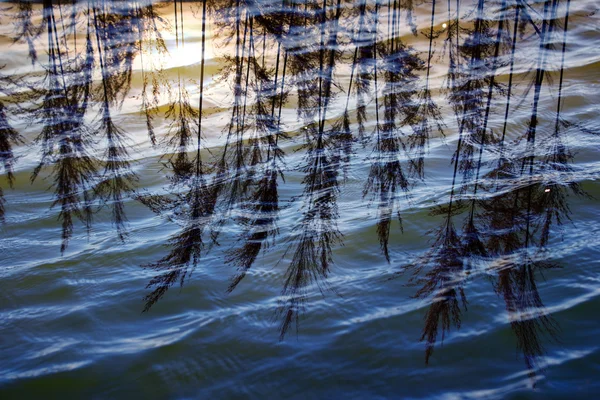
(71,324)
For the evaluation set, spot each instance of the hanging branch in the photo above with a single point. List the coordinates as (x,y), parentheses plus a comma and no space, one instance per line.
(192,209)
(117,180)
(9,137)
(65,97)
(312,256)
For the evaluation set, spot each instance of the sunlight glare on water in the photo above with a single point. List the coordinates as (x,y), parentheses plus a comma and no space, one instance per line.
(299,199)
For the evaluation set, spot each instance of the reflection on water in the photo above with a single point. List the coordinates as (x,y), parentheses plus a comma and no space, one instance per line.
(373,84)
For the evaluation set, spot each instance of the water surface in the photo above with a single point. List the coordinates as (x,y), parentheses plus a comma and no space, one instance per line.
(245,199)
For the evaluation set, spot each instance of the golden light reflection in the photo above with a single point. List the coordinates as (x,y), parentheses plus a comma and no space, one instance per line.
(182,56)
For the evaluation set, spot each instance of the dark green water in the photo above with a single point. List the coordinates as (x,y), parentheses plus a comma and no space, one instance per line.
(362,217)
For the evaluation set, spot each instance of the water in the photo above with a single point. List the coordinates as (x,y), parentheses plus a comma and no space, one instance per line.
(320,312)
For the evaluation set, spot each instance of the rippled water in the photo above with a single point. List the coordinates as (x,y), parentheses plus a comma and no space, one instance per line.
(487,286)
